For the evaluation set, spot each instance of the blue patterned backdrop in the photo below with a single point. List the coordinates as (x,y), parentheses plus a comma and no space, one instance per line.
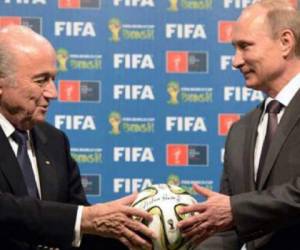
(146,88)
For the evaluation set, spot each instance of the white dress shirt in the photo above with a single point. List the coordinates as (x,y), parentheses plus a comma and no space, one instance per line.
(8,130)
(284,97)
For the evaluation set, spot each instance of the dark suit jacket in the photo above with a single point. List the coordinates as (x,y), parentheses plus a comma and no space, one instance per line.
(26,222)
(267,218)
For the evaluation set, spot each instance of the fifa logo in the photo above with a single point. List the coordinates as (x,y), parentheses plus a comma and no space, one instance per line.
(115,121)
(177,156)
(69,91)
(74,122)
(114,26)
(173,90)
(62,56)
(173,5)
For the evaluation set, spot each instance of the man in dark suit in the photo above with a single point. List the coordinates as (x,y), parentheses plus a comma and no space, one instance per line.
(42,201)
(259,202)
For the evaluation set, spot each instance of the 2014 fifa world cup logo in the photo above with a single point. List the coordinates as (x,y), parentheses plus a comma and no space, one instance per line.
(173,90)
(173,5)
(115,121)
(62,56)
(173,180)
(114,26)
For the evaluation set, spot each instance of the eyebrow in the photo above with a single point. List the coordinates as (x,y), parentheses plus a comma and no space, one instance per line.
(44,74)
(235,43)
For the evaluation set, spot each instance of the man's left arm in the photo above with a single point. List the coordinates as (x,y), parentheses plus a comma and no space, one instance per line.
(251,214)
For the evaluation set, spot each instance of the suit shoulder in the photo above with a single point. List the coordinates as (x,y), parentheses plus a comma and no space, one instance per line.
(49,130)
(245,119)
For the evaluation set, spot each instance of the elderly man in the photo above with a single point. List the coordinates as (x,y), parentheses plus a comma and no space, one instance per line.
(42,201)
(260,200)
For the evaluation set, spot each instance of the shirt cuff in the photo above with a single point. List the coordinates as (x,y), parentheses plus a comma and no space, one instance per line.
(77,234)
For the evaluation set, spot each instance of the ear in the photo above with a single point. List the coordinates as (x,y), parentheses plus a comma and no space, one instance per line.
(287,42)
(1,86)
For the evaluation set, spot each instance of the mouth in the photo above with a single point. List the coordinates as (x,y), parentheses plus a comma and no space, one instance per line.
(247,73)
(44,109)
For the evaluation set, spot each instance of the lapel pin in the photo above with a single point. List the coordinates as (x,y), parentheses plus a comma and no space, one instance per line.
(47,162)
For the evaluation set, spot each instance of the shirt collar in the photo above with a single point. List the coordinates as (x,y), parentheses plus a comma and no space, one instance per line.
(287,93)
(7,127)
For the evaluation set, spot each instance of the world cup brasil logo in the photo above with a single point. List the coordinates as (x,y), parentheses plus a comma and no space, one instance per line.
(173,90)
(173,5)
(114,26)
(62,56)
(173,180)
(115,121)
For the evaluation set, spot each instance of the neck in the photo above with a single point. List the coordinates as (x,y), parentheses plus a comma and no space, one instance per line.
(289,72)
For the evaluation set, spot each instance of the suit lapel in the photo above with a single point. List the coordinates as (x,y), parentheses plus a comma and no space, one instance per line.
(251,135)
(287,123)
(10,168)
(47,172)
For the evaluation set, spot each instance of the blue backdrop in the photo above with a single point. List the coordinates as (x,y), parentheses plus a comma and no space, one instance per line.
(146,88)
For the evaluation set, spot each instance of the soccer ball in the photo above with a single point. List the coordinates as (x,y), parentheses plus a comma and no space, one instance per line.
(163,202)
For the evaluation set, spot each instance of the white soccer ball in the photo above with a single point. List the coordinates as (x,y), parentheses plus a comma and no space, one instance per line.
(163,202)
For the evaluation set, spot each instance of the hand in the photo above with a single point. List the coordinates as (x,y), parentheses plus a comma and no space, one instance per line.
(115,220)
(208,217)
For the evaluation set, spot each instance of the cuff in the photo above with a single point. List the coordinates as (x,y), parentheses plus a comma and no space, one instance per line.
(77,234)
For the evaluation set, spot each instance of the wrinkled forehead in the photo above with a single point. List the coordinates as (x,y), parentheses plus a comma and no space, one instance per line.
(252,20)
(25,56)
(254,14)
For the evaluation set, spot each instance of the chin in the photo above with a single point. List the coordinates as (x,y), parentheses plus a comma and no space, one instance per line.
(252,85)
(39,118)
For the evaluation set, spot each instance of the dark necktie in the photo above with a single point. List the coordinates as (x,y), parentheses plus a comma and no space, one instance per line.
(21,138)
(272,109)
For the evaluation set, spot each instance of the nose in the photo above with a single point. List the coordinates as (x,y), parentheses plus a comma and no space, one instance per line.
(50,91)
(237,60)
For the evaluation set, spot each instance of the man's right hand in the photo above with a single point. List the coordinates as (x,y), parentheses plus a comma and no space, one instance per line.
(115,220)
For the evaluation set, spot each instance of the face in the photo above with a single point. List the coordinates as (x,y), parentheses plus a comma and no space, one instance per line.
(258,55)
(26,96)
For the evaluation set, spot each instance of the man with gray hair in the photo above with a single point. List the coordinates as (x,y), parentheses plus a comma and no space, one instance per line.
(42,201)
(259,203)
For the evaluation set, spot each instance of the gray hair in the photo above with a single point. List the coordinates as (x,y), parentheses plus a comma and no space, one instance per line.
(7,69)
(282,15)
